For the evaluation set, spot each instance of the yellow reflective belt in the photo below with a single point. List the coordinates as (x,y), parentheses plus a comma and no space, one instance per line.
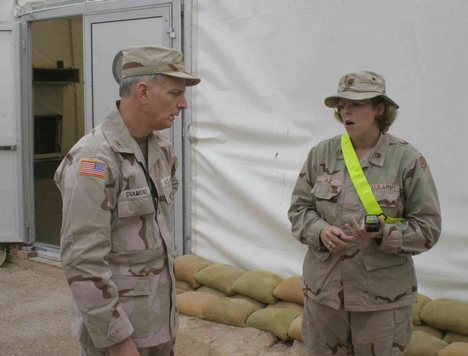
(360,181)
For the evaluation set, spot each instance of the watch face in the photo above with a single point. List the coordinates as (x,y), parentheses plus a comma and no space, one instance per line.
(117,67)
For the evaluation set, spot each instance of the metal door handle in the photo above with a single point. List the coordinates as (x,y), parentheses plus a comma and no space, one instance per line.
(8,148)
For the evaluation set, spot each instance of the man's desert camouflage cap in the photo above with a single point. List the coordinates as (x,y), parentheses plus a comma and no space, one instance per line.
(359,86)
(138,61)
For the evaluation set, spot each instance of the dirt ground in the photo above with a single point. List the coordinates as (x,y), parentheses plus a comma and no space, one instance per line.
(34,314)
(35,321)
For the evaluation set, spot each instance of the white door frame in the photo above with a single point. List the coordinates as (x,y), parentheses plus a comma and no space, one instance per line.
(11,144)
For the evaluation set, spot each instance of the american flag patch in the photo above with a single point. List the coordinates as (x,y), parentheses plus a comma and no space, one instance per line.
(92,168)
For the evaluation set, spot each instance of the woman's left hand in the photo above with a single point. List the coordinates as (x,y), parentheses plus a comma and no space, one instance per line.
(358,230)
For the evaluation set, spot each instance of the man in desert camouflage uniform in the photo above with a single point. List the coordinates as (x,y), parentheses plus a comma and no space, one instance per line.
(359,286)
(118,185)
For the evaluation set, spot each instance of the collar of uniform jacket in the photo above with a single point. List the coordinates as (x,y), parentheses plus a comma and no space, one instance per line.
(377,154)
(119,138)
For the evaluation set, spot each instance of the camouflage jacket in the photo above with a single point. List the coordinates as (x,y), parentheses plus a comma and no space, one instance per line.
(369,275)
(116,240)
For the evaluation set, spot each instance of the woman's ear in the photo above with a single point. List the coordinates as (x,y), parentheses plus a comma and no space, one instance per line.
(380,109)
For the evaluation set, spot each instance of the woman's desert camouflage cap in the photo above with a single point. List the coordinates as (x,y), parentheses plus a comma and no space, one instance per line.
(359,86)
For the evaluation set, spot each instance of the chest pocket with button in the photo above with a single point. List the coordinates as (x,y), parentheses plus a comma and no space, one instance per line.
(133,227)
(326,191)
(135,206)
(164,186)
(388,198)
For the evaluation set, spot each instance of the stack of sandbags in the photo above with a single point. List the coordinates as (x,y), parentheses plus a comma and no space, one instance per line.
(186,266)
(263,300)
(233,296)
(440,327)
(278,316)
(289,291)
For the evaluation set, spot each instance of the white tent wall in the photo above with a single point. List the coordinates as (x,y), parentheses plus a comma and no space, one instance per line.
(267,65)
(6,10)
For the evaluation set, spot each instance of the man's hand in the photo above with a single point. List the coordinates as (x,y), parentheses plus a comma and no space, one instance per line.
(126,347)
(334,239)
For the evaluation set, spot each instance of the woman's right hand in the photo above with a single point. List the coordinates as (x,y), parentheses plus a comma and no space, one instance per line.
(333,238)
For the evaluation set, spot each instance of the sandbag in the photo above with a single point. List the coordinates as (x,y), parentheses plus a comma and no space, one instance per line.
(184,285)
(187,265)
(258,285)
(287,305)
(455,337)
(422,343)
(211,291)
(454,349)
(231,311)
(430,330)
(295,329)
(274,320)
(194,303)
(219,276)
(290,290)
(180,291)
(422,300)
(250,300)
(446,314)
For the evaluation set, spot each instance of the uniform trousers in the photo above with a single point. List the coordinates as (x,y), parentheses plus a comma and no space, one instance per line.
(166,349)
(327,331)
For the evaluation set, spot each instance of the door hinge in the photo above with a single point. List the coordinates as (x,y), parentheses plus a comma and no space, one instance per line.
(171,33)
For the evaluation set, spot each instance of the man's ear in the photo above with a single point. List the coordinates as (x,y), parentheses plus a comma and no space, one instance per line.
(141,91)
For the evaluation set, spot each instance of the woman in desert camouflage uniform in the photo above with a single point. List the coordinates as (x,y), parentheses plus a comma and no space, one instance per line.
(359,286)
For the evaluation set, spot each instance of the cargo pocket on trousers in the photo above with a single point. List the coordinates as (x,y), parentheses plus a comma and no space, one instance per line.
(402,329)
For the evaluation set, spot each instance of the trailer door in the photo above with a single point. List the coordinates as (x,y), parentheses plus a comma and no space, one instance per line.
(11,172)
(105,35)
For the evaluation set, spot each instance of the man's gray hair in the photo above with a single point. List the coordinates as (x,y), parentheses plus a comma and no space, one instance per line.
(128,85)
